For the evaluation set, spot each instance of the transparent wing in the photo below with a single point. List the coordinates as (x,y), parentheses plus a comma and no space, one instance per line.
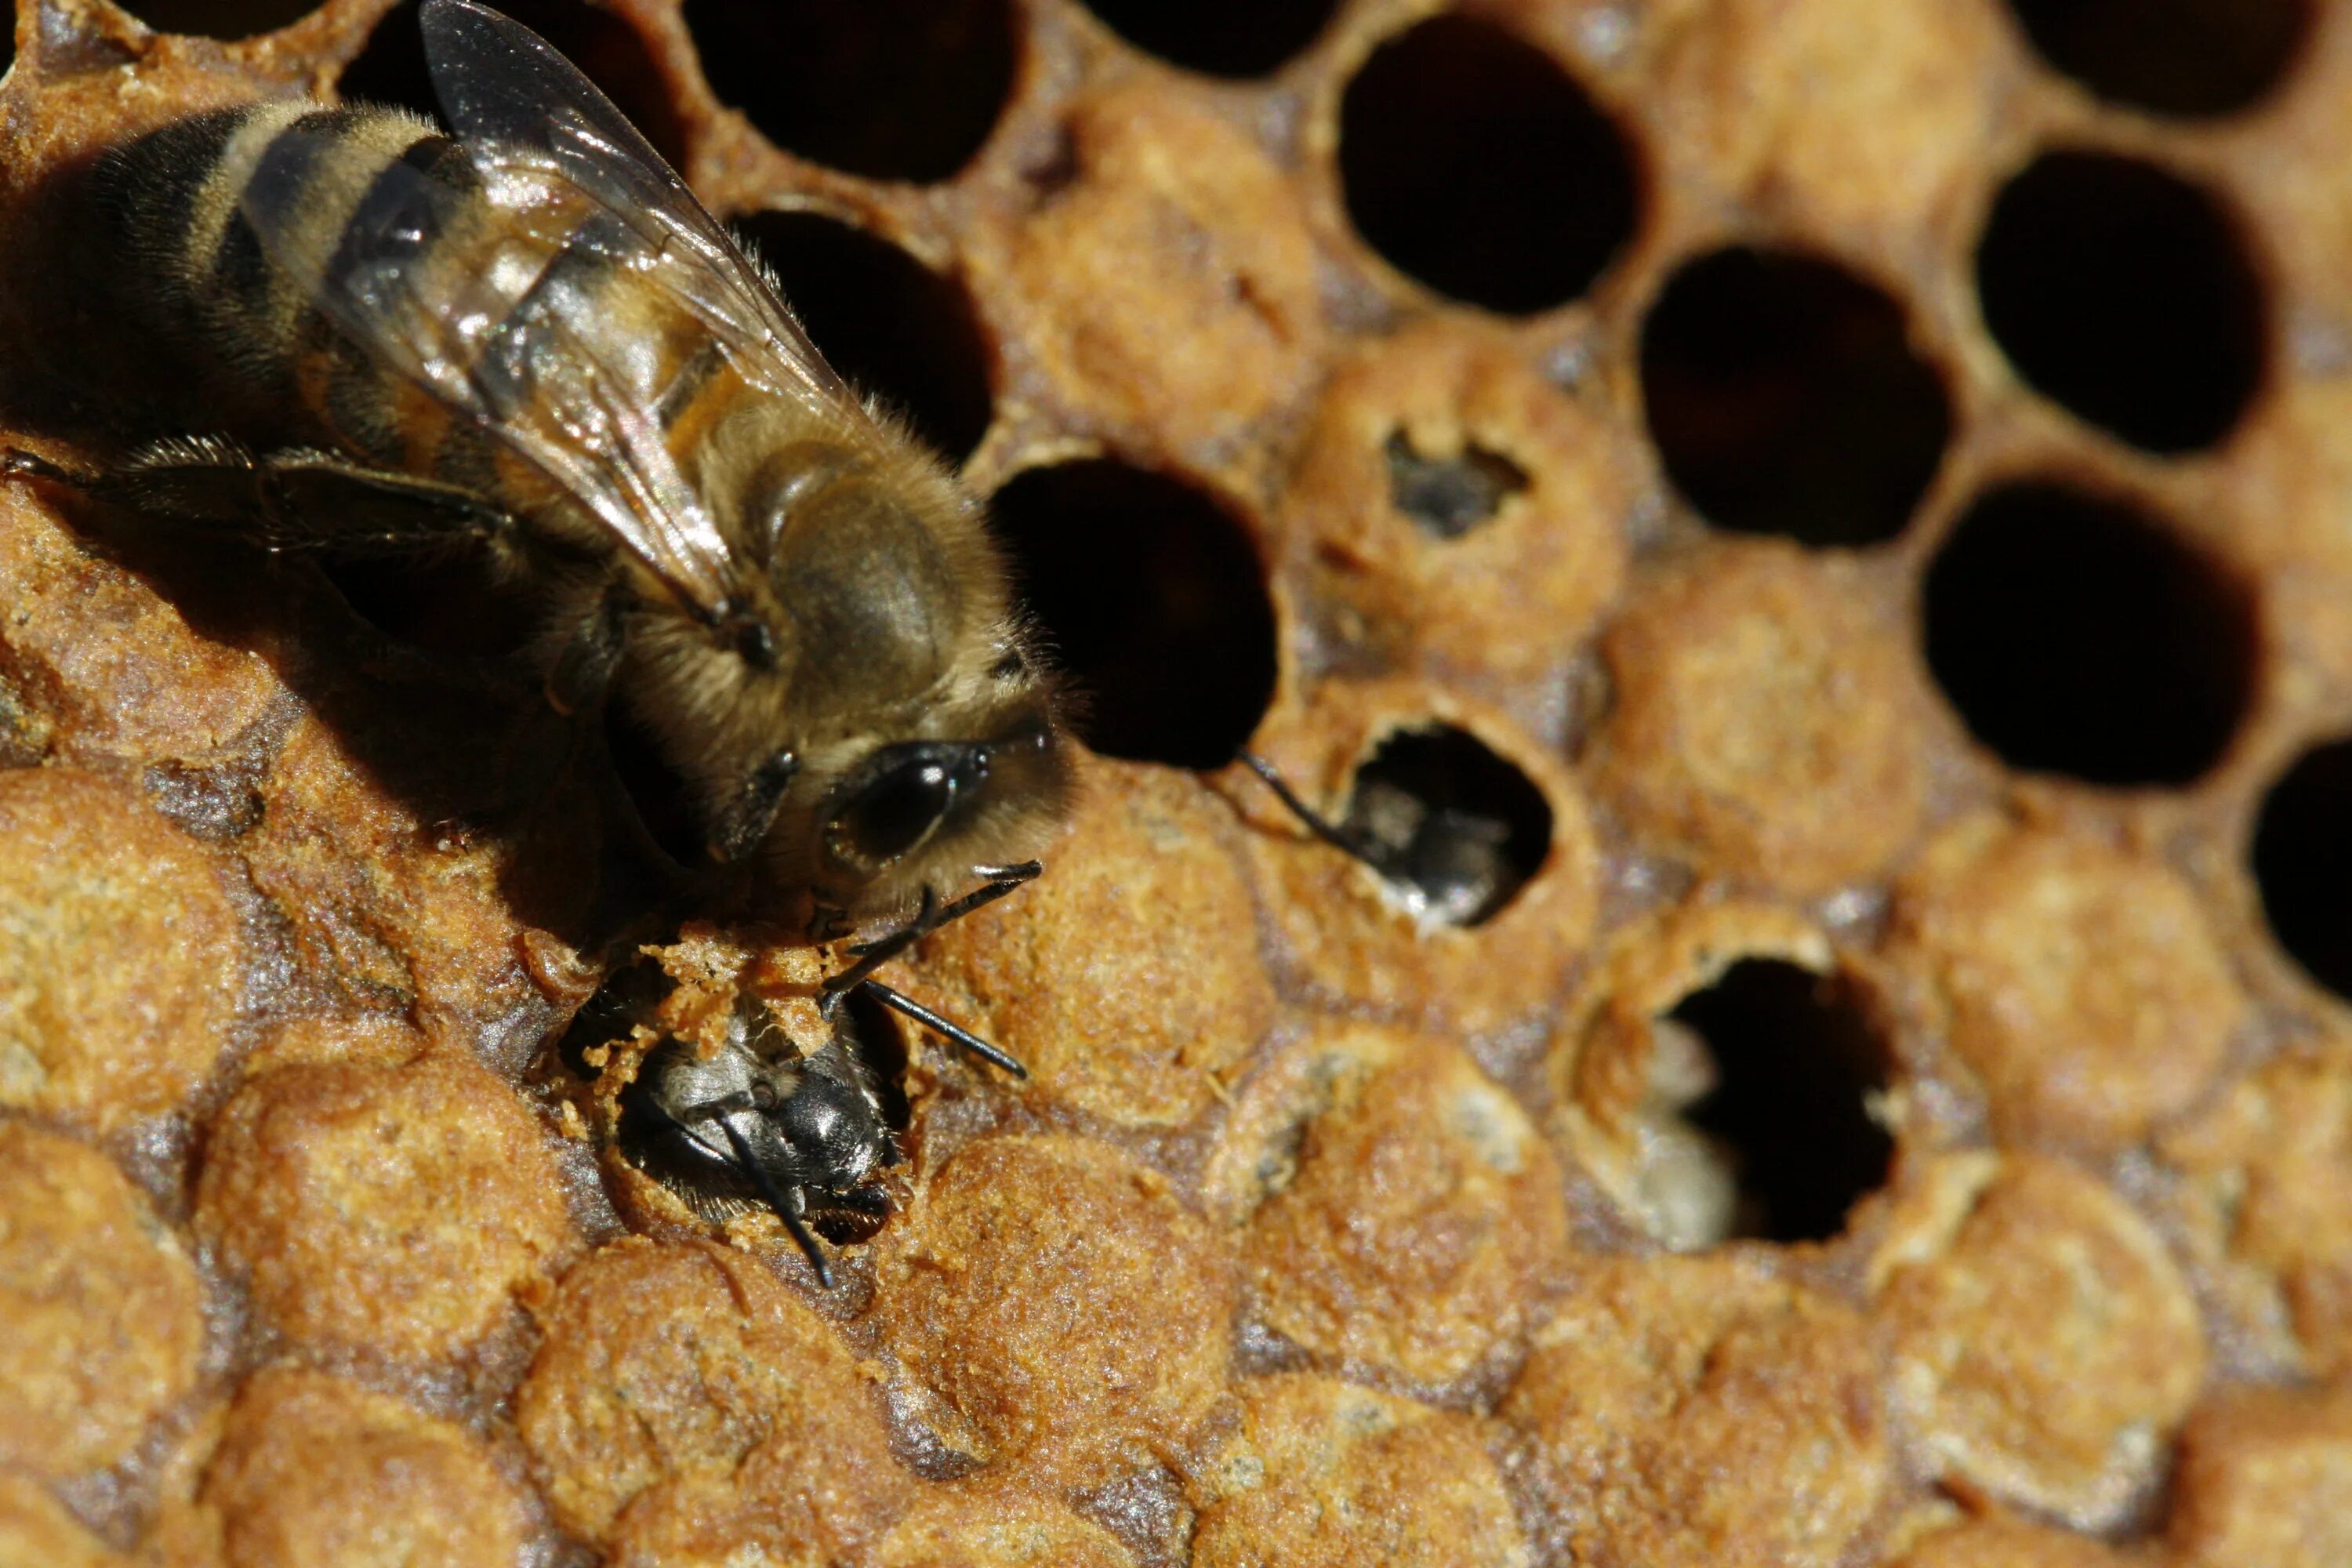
(515,347)
(517,105)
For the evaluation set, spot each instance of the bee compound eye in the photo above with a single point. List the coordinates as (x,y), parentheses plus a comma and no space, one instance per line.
(900,803)
(832,1129)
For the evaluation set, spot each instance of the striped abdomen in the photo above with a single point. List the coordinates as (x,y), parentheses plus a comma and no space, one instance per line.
(250,311)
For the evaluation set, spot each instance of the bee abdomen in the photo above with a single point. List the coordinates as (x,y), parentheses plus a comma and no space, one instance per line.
(198,272)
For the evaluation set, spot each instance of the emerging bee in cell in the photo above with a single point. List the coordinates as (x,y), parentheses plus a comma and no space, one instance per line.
(755,1120)
(759,1124)
(525,339)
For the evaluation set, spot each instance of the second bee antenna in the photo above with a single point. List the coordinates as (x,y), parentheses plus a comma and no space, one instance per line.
(899,1002)
(1322,827)
(786,1210)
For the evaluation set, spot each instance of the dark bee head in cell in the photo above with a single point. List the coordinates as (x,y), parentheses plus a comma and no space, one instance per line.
(759,1125)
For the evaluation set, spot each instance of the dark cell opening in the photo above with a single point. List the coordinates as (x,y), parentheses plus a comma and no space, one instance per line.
(889,325)
(1785,397)
(1435,810)
(2175,57)
(2077,636)
(1448,496)
(220,18)
(1218,37)
(1798,1063)
(1473,162)
(1153,599)
(896,90)
(608,51)
(2303,863)
(2126,294)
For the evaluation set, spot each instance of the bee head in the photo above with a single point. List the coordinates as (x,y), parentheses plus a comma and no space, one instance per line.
(925,812)
(801,1136)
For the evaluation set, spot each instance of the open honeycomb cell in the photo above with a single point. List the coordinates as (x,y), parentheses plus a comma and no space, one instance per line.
(1801,543)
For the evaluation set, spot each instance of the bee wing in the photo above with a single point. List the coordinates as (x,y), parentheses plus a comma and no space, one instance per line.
(517,354)
(515,103)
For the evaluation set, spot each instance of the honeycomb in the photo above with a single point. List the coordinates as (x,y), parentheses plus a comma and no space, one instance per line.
(1808,535)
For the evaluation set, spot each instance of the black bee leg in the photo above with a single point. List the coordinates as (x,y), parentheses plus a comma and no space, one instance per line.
(788,1210)
(873,955)
(1000,880)
(1315,822)
(931,917)
(293,499)
(581,670)
(899,1002)
(17,463)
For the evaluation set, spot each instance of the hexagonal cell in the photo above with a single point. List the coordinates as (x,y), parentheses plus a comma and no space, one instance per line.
(1238,39)
(2014,935)
(2264,1475)
(1456,828)
(1721,1076)
(1448,496)
(1786,398)
(2124,293)
(1699,1412)
(220,18)
(1766,721)
(1474,164)
(1368,940)
(2046,1343)
(1153,599)
(1797,1069)
(608,51)
(893,90)
(1129,979)
(2076,635)
(894,328)
(2191,58)
(2302,855)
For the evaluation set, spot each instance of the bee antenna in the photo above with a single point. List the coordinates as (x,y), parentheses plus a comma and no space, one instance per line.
(1322,827)
(899,1002)
(785,1211)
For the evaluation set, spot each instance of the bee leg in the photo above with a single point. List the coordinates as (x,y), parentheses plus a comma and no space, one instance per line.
(931,917)
(744,821)
(873,955)
(293,499)
(581,670)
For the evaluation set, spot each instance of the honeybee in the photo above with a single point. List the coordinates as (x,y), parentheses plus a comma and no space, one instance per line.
(749,1120)
(526,339)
